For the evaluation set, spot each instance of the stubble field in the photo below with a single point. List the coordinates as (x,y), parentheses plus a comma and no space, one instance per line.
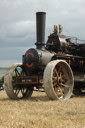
(40,112)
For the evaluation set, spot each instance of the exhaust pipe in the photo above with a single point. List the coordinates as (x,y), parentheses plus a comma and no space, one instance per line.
(40,30)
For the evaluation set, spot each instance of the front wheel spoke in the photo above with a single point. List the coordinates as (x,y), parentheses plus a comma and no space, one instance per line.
(22,91)
(17,73)
(17,91)
(22,73)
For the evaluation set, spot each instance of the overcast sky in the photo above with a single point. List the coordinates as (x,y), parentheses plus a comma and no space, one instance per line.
(18,24)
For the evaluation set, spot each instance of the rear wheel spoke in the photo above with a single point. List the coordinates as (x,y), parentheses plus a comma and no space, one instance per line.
(66,86)
(61,91)
(65,75)
(56,71)
(54,84)
(57,89)
(59,81)
(59,70)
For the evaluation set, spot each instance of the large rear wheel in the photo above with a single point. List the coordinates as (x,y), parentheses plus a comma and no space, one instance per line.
(58,80)
(13,91)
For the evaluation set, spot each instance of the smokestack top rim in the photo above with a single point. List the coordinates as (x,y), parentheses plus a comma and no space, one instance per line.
(40,12)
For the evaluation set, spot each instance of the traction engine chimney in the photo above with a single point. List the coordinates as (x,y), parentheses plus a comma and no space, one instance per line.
(40,30)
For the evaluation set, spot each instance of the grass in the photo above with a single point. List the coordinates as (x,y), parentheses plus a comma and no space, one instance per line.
(40,112)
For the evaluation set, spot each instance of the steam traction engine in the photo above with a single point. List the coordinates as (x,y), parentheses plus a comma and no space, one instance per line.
(58,67)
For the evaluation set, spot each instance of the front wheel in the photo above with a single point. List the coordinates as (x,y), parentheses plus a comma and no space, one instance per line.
(16,92)
(58,80)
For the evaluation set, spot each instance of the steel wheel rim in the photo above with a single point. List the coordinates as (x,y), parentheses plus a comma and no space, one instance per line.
(49,81)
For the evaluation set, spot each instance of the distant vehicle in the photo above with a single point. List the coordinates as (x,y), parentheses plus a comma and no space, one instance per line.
(1,88)
(57,66)
(1,83)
